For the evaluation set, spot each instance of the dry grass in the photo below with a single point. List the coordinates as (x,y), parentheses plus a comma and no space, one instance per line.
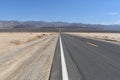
(35,38)
(18,42)
(10,41)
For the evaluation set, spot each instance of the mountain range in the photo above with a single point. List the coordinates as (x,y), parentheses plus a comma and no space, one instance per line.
(43,24)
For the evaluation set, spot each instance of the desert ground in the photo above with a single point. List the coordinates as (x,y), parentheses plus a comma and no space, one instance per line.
(29,55)
(111,37)
(26,56)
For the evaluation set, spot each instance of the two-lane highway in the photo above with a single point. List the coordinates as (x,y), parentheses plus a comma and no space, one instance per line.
(86,59)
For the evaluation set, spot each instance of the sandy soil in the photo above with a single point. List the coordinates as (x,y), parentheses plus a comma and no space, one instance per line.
(26,56)
(114,37)
(9,41)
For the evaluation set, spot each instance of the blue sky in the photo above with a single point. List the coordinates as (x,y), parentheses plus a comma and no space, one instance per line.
(85,11)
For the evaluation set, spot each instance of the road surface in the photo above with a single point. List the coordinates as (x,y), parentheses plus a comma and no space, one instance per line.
(86,59)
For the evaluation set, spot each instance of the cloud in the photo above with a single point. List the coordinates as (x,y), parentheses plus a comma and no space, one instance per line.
(113,13)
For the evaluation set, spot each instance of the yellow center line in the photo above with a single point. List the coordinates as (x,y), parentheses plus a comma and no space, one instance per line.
(92,44)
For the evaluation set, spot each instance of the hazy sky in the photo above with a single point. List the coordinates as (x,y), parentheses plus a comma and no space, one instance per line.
(85,11)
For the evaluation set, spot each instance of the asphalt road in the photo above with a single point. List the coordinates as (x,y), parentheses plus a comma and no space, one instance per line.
(87,59)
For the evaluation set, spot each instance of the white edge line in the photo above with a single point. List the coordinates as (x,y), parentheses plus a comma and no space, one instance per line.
(63,63)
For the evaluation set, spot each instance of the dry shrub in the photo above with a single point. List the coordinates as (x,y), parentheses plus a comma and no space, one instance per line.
(106,37)
(95,36)
(34,38)
(38,36)
(44,34)
(16,42)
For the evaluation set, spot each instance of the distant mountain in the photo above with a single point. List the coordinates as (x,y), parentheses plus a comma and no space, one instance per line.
(42,24)
(8,24)
(112,27)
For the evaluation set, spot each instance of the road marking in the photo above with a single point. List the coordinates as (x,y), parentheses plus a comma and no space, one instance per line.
(92,44)
(63,63)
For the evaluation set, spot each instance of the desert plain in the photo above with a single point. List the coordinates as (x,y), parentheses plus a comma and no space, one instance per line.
(29,55)
(102,36)
(26,56)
